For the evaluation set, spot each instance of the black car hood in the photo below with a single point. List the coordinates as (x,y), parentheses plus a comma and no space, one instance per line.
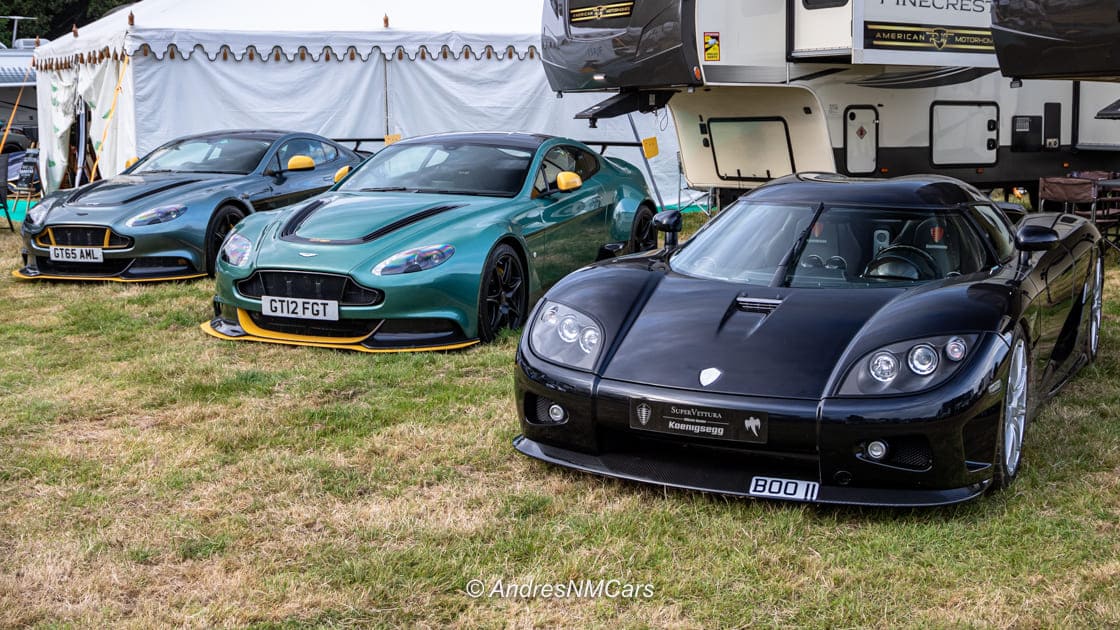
(681,326)
(126,189)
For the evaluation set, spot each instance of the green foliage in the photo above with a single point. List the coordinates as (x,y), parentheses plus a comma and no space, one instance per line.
(52,19)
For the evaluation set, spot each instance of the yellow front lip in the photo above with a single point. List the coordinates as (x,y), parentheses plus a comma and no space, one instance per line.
(43,276)
(255,333)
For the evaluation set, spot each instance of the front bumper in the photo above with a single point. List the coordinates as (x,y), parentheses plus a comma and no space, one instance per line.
(942,441)
(158,255)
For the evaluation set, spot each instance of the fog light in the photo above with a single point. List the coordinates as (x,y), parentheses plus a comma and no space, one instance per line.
(877,450)
(556,413)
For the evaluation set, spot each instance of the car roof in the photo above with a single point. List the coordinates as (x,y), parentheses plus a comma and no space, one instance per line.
(520,140)
(259,134)
(911,190)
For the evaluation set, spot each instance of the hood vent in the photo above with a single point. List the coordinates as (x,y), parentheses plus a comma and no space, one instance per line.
(98,185)
(756,305)
(406,221)
(289,231)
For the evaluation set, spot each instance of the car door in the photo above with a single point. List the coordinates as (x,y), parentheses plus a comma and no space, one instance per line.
(288,187)
(575,221)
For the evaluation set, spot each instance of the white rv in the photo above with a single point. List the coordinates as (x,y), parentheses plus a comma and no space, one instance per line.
(762,88)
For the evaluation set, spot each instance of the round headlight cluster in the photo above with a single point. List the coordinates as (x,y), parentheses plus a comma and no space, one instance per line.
(922,359)
(566,336)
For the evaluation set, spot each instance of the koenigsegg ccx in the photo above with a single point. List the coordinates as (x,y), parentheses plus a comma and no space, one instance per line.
(434,243)
(822,339)
(165,217)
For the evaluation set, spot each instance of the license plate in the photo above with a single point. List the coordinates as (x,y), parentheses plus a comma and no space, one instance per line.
(696,421)
(76,254)
(299,308)
(788,489)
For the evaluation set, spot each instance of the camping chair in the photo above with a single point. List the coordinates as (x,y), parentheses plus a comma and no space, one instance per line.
(4,191)
(1089,188)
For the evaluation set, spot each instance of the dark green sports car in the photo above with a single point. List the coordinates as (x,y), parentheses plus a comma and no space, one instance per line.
(434,243)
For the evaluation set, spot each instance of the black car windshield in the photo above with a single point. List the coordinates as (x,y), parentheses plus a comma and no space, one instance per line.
(774,244)
(205,155)
(458,166)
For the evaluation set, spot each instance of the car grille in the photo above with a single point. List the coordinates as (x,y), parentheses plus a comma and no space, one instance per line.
(82,236)
(910,452)
(314,327)
(309,286)
(112,267)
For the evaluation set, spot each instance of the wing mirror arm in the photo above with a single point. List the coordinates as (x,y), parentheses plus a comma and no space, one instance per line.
(670,222)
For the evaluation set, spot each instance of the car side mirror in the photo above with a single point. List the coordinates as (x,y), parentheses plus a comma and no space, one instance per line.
(300,163)
(131,161)
(340,173)
(567,181)
(670,222)
(1036,238)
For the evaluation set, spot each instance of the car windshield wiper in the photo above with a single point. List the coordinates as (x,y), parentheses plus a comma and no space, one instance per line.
(782,276)
(389,189)
(220,172)
(154,170)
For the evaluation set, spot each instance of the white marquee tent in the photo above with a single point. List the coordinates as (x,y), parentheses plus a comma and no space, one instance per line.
(159,69)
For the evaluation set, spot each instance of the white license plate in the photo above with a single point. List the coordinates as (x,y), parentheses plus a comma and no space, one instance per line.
(788,489)
(300,308)
(77,254)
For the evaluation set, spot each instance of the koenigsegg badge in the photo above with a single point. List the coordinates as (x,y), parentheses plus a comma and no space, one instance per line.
(643,413)
(601,12)
(709,376)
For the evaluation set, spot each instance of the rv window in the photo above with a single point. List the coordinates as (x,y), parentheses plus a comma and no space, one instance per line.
(823,4)
(750,149)
(963,133)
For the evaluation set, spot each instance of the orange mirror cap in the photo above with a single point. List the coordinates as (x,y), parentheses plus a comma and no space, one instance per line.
(130,161)
(568,180)
(300,163)
(340,173)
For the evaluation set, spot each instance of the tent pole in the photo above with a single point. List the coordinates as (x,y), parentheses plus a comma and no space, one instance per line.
(645,160)
(387,64)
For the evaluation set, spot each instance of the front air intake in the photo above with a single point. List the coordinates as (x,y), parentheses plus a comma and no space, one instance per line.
(757,305)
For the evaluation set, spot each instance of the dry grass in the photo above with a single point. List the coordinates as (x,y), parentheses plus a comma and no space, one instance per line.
(150,475)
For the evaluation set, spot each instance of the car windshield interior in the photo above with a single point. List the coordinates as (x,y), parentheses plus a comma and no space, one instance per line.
(457,167)
(805,245)
(206,155)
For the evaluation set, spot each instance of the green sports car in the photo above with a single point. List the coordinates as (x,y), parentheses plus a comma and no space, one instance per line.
(434,243)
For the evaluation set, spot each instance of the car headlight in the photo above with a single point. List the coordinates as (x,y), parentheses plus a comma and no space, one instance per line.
(908,366)
(563,335)
(38,213)
(236,250)
(413,260)
(162,214)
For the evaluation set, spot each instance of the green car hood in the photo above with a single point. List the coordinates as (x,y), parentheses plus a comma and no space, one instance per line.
(344,231)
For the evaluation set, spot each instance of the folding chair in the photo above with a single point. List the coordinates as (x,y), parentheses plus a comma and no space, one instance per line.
(1089,188)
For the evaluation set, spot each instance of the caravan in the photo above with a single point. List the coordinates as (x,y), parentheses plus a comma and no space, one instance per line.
(764,88)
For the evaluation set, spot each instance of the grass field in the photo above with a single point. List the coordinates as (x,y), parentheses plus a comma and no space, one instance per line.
(151,475)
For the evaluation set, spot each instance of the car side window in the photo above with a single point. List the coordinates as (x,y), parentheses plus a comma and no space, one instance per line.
(995,230)
(330,153)
(587,164)
(557,160)
(300,146)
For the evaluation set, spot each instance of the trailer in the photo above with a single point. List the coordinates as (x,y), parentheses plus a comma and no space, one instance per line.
(875,88)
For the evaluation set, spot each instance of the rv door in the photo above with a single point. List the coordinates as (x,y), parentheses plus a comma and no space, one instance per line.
(861,140)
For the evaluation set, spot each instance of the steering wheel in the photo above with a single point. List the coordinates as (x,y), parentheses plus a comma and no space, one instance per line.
(902,262)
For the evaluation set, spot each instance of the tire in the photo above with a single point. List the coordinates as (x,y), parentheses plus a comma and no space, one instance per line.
(503,300)
(223,220)
(1014,417)
(1096,304)
(643,236)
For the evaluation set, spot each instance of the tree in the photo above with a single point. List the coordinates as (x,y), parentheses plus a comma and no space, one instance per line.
(52,19)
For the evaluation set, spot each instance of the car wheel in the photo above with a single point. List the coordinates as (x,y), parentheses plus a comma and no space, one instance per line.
(1096,303)
(1013,424)
(504,294)
(643,236)
(221,223)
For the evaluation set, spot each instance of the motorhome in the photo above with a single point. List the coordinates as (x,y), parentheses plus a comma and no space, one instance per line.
(877,88)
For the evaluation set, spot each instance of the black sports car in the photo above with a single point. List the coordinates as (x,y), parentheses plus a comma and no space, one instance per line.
(822,339)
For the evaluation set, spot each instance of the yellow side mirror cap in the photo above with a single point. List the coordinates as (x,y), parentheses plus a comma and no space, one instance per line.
(130,161)
(650,148)
(300,163)
(391,138)
(340,173)
(568,180)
